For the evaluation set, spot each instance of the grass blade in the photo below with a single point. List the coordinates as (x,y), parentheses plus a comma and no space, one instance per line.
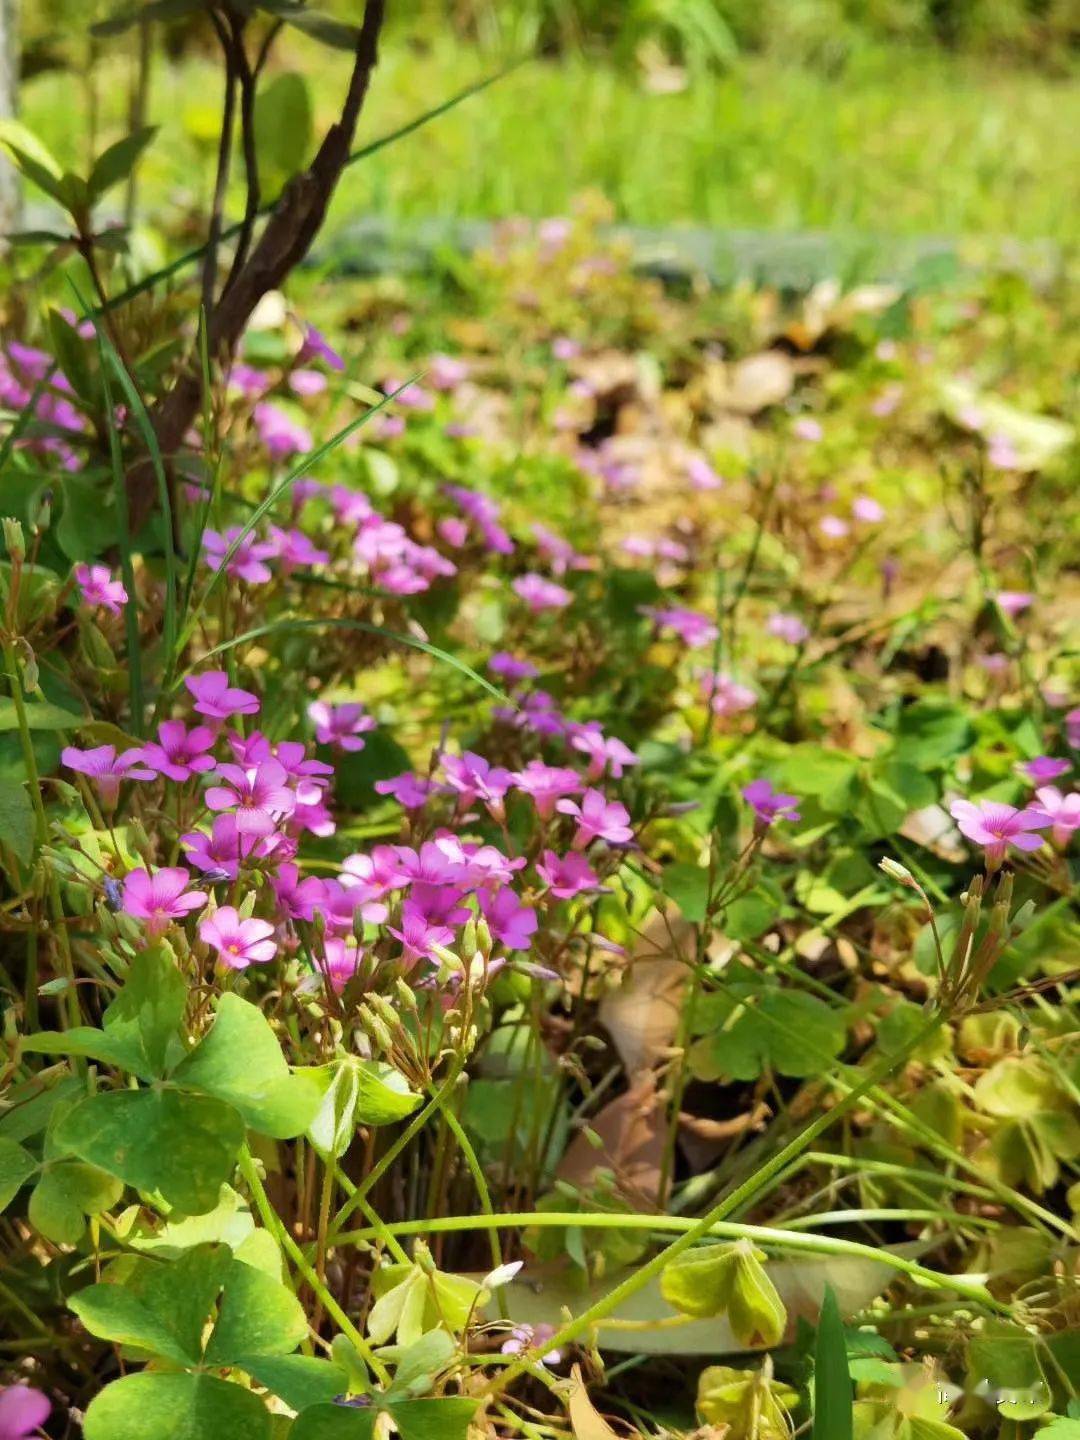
(127,569)
(282,488)
(833,1414)
(366,628)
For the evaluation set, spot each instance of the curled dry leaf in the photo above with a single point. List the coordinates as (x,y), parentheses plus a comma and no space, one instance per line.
(585,1420)
(642,1015)
(631,1130)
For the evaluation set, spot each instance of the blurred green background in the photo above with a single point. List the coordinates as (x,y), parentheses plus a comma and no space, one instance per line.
(903,117)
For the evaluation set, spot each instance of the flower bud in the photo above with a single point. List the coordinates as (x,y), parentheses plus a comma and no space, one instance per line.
(900,873)
(14,539)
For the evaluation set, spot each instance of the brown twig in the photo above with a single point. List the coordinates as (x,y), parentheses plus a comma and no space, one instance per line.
(286,238)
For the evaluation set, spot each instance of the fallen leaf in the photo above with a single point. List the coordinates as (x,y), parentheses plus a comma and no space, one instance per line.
(585,1420)
(632,1145)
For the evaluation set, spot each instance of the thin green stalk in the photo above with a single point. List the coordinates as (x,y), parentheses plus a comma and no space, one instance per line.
(738,1199)
(378,1170)
(764,1235)
(482,1191)
(273,1223)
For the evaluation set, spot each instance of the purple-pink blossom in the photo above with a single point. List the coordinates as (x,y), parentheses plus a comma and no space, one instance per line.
(106,768)
(219,855)
(546,784)
(215,697)
(471,777)
(280,433)
(511,923)
(1044,768)
(1063,812)
(566,875)
(258,795)
(807,428)
(99,588)
(1013,602)
(598,818)
(409,790)
(604,752)
(160,898)
(247,561)
(868,510)
(995,826)
(511,669)
(787,627)
(238,942)
(540,594)
(317,347)
(769,804)
(691,626)
(178,753)
(343,725)
(725,695)
(293,549)
(23,1411)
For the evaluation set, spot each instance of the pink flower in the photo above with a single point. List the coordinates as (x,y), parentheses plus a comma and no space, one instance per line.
(701,474)
(297,897)
(22,1411)
(691,626)
(307,382)
(179,752)
(787,627)
(724,695)
(219,854)
(806,428)
(410,396)
(559,553)
(1002,453)
(510,922)
(545,784)
(215,697)
(834,527)
(540,594)
(343,726)
(1063,812)
(563,348)
(1043,768)
(471,777)
(1072,728)
(239,943)
(598,819)
(418,934)
(106,768)
(294,549)
(453,530)
(409,790)
(867,509)
(340,958)
(769,804)
(446,372)
(510,669)
(317,347)
(996,826)
(604,752)
(280,433)
(1013,602)
(531,1337)
(258,795)
(566,875)
(246,561)
(160,898)
(99,588)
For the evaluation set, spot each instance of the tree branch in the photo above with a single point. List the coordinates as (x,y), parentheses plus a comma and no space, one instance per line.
(286,238)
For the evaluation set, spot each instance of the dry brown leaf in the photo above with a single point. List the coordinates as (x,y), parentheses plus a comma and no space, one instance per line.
(631,1131)
(706,1129)
(585,1420)
(642,1015)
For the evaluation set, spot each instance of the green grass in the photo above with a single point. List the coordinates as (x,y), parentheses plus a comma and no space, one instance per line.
(903,142)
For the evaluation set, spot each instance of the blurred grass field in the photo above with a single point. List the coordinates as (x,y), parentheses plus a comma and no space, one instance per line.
(901,141)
